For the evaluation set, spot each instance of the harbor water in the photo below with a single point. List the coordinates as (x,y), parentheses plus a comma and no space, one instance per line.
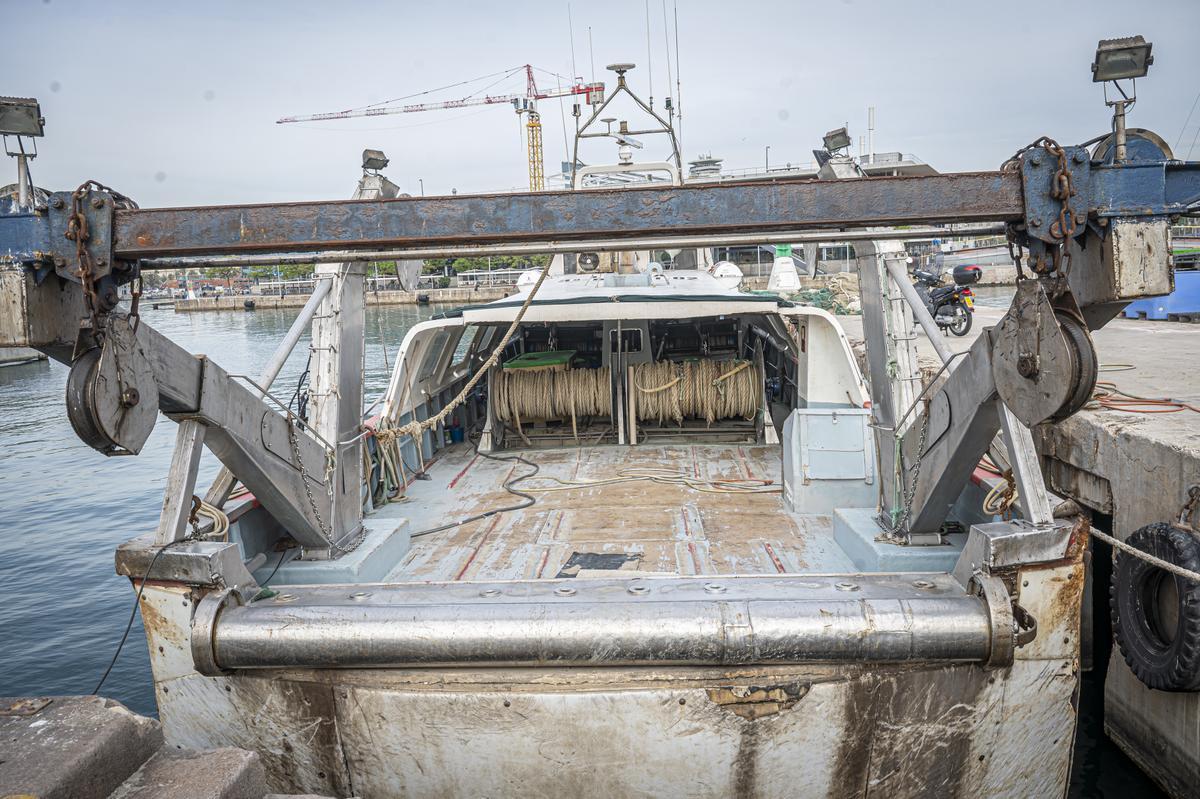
(64,509)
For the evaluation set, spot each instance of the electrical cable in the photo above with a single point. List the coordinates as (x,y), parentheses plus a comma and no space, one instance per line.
(133,613)
(278,563)
(507,485)
(1108,396)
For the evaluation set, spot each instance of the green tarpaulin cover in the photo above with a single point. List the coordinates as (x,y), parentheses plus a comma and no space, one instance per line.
(532,360)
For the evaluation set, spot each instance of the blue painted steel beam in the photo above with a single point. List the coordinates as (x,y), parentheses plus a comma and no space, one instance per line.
(25,238)
(568,215)
(1156,188)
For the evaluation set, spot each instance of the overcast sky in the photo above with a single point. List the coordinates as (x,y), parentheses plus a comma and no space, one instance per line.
(175,103)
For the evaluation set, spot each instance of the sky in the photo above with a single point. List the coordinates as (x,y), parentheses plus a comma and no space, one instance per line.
(175,104)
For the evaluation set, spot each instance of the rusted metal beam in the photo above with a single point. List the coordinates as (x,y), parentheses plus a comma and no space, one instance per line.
(578,216)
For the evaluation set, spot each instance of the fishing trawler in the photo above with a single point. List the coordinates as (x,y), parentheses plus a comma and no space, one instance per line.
(624,530)
(628,532)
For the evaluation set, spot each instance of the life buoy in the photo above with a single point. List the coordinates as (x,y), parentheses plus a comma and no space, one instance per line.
(1155,614)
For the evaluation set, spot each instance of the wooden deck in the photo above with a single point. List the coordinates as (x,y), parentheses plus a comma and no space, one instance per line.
(591,531)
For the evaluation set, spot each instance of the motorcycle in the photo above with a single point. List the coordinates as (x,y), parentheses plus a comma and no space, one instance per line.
(952,306)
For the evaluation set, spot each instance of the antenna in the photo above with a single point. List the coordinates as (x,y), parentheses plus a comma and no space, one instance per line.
(591,54)
(870,134)
(678,82)
(649,63)
(667,52)
(571,30)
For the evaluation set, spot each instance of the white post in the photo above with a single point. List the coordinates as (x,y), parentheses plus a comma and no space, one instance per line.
(336,375)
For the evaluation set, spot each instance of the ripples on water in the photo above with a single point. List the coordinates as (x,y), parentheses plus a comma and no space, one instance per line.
(64,508)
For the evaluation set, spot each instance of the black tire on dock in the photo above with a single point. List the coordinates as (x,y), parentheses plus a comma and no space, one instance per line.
(1156,615)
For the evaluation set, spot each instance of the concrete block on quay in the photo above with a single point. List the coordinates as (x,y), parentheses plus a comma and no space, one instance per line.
(72,747)
(189,774)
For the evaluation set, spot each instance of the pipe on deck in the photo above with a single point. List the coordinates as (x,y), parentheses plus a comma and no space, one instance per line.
(493,631)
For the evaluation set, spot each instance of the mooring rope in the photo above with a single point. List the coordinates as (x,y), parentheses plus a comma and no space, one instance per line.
(704,389)
(524,394)
(1165,565)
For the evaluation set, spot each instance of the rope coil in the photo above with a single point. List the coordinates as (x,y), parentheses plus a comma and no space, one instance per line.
(703,389)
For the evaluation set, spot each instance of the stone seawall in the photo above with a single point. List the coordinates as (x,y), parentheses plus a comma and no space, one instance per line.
(452,296)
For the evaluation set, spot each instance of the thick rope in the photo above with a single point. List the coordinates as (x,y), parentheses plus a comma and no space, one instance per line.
(703,389)
(1002,496)
(1165,565)
(551,394)
(388,436)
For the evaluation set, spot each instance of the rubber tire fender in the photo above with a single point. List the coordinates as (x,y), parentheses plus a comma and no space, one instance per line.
(1164,663)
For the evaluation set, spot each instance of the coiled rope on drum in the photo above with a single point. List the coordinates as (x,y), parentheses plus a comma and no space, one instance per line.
(702,390)
(388,437)
(523,394)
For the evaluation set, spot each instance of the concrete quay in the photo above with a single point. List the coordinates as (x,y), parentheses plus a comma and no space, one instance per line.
(10,356)
(89,747)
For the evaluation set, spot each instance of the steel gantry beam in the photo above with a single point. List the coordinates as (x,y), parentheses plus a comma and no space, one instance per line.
(567,215)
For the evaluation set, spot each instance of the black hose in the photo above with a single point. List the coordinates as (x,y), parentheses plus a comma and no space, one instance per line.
(133,612)
(529,499)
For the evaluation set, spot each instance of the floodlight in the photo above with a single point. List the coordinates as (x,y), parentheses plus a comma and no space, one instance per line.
(374,159)
(836,140)
(21,116)
(1118,59)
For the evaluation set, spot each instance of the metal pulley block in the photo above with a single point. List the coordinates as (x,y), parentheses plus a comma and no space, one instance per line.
(112,397)
(1043,359)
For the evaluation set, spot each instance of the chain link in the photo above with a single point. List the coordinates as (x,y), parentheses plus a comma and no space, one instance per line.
(326,531)
(1063,228)
(79,232)
(910,480)
(1014,250)
(1062,190)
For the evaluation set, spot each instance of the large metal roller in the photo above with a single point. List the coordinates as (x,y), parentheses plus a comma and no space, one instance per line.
(728,621)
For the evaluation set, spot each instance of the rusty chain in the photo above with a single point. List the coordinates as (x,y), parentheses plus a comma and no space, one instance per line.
(79,232)
(325,529)
(1062,190)
(1014,250)
(1063,228)
(1189,513)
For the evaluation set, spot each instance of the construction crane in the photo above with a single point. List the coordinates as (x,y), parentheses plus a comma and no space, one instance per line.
(524,104)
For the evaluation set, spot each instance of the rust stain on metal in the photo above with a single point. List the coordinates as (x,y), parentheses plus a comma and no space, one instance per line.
(753,702)
(159,628)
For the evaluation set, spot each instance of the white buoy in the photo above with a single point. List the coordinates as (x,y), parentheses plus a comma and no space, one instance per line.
(727,274)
